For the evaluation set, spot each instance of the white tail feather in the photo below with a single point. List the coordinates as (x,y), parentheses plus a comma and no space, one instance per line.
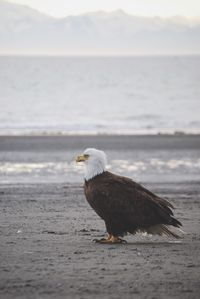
(161,229)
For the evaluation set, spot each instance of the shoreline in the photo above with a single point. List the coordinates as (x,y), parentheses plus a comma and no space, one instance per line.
(159,158)
(194,132)
(105,142)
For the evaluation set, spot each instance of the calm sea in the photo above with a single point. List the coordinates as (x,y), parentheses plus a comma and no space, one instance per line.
(99,95)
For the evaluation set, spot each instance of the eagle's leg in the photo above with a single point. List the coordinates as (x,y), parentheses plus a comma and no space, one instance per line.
(110,240)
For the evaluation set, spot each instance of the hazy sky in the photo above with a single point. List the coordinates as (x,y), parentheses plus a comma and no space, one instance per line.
(164,8)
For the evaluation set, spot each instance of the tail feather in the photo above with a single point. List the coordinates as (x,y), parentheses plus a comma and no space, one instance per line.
(175,222)
(162,229)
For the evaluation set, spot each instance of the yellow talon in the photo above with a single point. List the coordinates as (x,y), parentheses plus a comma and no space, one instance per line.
(110,240)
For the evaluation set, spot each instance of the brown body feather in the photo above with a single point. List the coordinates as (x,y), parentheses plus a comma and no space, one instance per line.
(126,206)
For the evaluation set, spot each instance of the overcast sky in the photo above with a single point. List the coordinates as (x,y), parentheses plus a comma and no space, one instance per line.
(164,8)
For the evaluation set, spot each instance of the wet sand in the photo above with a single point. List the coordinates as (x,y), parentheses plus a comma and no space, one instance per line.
(46,231)
(105,142)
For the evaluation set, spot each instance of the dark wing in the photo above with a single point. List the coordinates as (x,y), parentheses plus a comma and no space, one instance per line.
(119,199)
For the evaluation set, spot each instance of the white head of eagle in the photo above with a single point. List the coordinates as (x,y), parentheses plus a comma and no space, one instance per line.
(95,162)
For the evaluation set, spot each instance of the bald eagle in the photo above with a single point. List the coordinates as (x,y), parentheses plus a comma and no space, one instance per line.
(124,205)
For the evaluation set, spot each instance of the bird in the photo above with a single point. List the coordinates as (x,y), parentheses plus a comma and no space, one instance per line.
(124,205)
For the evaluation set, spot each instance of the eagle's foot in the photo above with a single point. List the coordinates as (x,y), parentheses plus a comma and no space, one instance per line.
(110,240)
(103,240)
(121,241)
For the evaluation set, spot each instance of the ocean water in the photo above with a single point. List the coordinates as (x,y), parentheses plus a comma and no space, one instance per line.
(147,169)
(40,165)
(78,95)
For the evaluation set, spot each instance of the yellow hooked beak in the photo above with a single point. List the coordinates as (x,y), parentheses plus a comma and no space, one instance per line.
(82,158)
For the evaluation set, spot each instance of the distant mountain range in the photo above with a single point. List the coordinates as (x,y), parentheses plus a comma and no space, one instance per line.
(24,30)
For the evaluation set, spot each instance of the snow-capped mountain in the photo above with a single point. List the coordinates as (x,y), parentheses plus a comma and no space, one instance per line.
(24,30)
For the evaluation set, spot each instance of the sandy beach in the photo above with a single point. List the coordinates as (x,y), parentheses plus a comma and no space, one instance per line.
(46,225)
